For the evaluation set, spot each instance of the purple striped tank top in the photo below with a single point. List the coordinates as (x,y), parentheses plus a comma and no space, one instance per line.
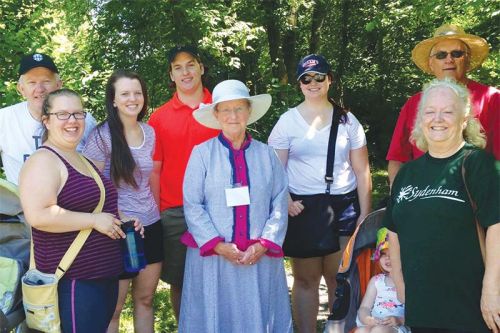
(100,256)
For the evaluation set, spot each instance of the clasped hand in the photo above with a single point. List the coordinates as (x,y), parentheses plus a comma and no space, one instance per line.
(110,226)
(295,207)
(390,321)
(231,252)
(386,321)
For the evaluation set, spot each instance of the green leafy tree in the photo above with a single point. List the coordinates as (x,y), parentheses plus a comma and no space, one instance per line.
(368,43)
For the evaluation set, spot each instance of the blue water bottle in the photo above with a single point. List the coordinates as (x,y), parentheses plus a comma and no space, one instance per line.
(132,248)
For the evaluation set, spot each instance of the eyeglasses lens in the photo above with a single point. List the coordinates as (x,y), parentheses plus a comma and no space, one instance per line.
(236,111)
(67,115)
(455,54)
(306,79)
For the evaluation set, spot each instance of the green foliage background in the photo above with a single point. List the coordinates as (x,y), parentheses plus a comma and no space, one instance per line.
(368,42)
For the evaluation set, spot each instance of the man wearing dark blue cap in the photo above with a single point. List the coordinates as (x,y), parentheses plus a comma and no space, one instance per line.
(20,124)
(177,132)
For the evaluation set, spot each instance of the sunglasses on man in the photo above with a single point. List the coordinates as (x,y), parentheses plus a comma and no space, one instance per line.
(455,54)
(306,79)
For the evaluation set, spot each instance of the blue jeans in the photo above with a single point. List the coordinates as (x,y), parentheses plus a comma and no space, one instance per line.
(87,305)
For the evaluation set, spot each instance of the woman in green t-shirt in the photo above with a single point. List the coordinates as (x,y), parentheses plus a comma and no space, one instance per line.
(435,244)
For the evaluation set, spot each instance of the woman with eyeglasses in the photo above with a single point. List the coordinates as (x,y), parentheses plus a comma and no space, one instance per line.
(235,204)
(323,212)
(122,148)
(59,193)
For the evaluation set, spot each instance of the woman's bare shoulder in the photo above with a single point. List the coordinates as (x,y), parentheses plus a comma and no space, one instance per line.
(41,162)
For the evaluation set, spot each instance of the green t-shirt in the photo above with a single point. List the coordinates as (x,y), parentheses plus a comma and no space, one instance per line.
(440,254)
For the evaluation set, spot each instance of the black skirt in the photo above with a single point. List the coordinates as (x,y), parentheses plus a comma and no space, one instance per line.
(315,231)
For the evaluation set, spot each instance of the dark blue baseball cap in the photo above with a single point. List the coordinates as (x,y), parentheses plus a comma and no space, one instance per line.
(313,63)
(34,60)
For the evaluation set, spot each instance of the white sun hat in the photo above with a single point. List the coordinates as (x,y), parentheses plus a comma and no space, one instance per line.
(231,90)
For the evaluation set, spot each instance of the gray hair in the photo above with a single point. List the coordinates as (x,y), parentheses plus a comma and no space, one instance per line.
(473,132)
(249,104)
(56,77)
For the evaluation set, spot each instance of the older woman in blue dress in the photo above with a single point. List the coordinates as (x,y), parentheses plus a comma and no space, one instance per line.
(235,202)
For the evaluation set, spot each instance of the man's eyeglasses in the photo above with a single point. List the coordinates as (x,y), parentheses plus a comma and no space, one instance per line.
(306,79)
(67,115)
(455,54)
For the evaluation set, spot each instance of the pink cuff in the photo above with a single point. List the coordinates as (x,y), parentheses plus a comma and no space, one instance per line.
(208,249)
(273,249)
(188,240)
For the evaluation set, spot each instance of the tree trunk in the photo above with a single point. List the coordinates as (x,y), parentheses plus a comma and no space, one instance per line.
(317,19)
(381,59)
(274,40)
(290,44)
(344,42)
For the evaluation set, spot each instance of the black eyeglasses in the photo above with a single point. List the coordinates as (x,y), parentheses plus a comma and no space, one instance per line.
(455,54)
(66,115)
(306,79)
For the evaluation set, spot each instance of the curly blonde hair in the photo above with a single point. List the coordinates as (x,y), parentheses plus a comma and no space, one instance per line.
(473,132)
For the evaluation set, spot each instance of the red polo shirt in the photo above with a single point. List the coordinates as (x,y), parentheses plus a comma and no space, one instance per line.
(177,132)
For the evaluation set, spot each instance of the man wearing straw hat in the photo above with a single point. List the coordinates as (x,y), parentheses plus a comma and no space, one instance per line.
(450,53)
(177,132)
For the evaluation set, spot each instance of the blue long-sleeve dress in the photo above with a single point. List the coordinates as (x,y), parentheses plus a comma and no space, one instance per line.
(219,296)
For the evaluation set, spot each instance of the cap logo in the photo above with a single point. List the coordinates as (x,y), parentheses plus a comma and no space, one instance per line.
(37,57)
(310,63)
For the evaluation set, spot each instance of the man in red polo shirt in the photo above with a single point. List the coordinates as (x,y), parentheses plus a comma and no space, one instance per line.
(177,132)
(450,53)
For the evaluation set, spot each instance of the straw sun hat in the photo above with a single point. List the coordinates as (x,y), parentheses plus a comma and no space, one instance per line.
(478,47)
(231,90)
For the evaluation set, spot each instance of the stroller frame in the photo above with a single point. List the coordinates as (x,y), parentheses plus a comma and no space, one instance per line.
(14,244)
(344,310)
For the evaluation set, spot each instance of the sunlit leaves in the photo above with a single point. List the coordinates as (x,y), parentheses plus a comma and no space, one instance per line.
(368,43)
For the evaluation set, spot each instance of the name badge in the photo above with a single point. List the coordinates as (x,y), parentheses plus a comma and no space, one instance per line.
(237,196)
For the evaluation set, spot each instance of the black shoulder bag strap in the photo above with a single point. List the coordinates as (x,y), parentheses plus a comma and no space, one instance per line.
(330,157)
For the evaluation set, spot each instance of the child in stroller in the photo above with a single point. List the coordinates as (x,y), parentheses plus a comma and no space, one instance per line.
(354,274)
(381,311)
